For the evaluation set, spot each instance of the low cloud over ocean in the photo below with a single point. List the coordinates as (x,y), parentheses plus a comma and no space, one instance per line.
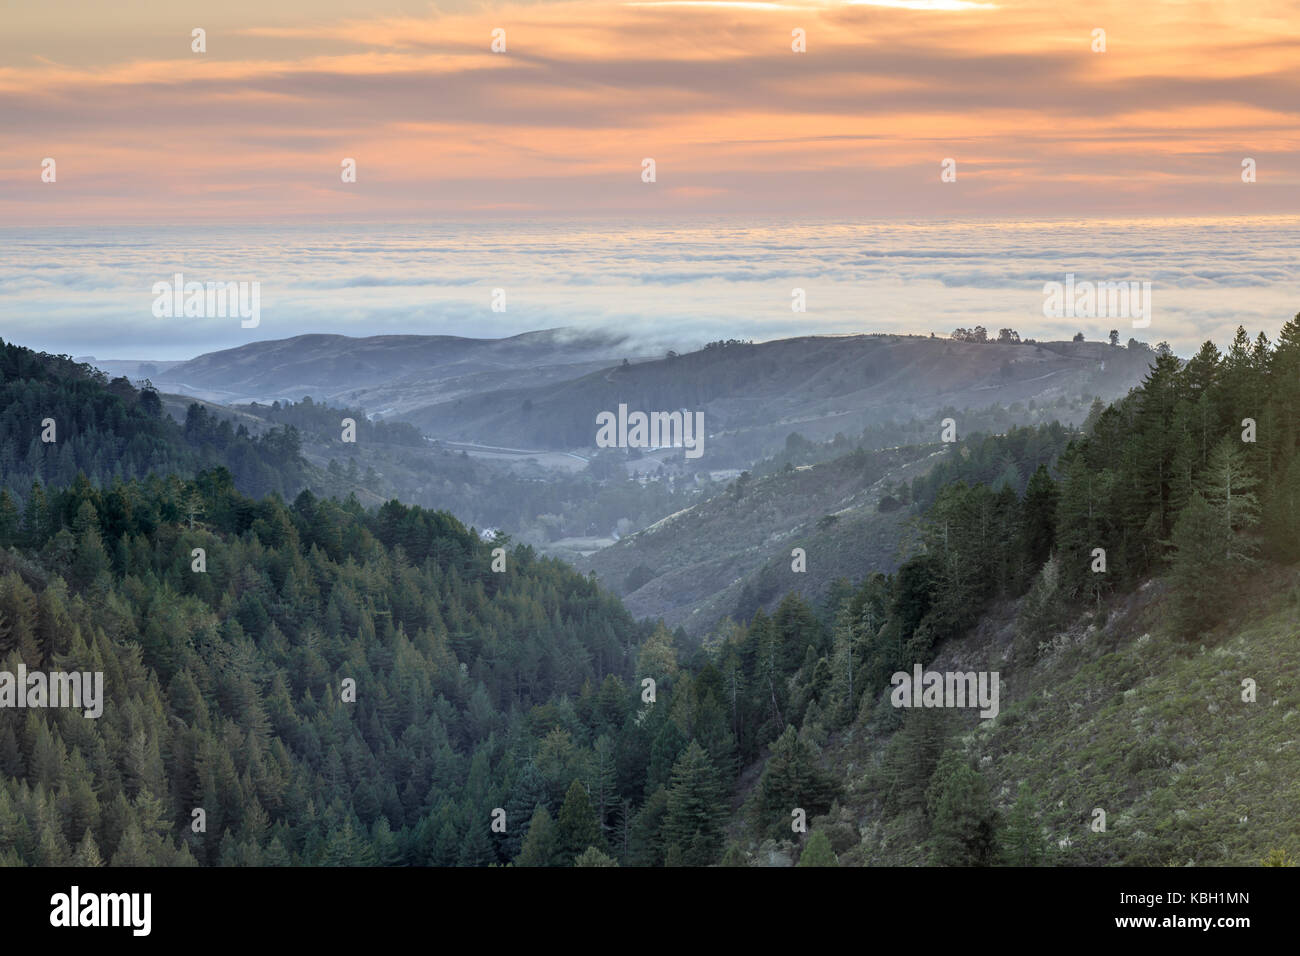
(87,290)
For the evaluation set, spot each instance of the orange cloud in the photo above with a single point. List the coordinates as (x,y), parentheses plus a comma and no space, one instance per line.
(737,122)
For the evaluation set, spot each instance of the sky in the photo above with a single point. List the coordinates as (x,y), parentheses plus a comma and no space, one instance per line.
(143,129)
(524,169)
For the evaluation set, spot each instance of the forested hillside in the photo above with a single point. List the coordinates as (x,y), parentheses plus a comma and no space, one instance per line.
(60,418)
(346,687)
(1172,481)
(537,506)
(225,687)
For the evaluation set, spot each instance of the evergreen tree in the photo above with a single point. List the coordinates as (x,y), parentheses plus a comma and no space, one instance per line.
(817,851)
(1038,517)
(1229,491)
(1283,526)
(734,856)
(539,846)
(668,745)
(912,756)
(1023,843)
(87,854)
(576,828)
(603,780)
(695,808)
(1041,612)
(1195,581)
(528,793)
(646,837)
(593,857)
(10,525)
(963,827)
(791,779)
(478,848)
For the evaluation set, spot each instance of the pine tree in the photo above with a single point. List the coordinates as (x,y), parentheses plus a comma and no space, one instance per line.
(528,793)
(344,846)
(1188,459)
(818,852)
(603,780)
(1202,370)
(539,846)
(1195,578)
(9,520)
(1283,527)
(576,828)
(645,840)
(844,688)
(52,849)
(1284,376)
(658,656)
(1077,523)
(734,856)
(1158,400)
(668,745)
(791,779)
(621,836)
(593,857)
(131,851)
(1238,377)
(477,848)
(277,855)
(1023,843)
(963,828)
(693,818)
(1228,488)
(1038,517)
(87,853)
(387,850)
(49,755)
(35,518)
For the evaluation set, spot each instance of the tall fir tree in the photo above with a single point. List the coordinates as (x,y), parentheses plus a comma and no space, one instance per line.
(695,808)
(963,821)
(577,828)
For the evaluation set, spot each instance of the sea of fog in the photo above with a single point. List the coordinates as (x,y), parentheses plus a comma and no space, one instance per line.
(89,291)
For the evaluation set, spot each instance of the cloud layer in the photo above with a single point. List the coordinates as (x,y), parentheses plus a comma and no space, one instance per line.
(681,283)
(143,129)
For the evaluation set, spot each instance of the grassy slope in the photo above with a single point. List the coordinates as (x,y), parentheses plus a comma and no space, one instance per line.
(1120,715)
(702,556)
(1153,730)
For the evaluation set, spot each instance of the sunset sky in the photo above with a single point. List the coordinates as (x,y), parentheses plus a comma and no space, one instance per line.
(142,129)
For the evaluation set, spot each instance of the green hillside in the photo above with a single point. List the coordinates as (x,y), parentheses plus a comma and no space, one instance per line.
(332,685)
(60,418)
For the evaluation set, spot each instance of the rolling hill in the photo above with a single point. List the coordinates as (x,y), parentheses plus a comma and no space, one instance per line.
(732,552)
(388,374)
(753,396)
